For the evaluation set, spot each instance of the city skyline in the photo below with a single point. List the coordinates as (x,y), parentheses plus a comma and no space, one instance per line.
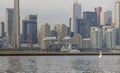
(46,9)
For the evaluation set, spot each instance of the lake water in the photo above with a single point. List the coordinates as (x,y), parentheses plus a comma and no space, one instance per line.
(59,64)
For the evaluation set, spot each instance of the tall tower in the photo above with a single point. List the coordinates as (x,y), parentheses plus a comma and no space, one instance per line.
(75,15)
(98,10)
(16,26)
(117,14)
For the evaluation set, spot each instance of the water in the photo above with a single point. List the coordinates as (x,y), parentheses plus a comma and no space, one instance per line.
(60,64)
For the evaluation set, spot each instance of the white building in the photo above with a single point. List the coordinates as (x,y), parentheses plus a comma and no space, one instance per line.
(117,14)
(96,38)
(75,14)
(110,38)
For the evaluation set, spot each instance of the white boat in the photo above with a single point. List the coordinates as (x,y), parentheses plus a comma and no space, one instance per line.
(100,54)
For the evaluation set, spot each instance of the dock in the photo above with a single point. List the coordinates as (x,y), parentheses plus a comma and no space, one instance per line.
(17,53)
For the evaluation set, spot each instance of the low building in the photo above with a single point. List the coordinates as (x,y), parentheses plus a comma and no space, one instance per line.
(86,43)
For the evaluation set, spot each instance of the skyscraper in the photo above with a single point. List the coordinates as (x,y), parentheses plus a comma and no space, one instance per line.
(44,32)
(61,30)
(9,24)
(117,14)
(16,26)
(98,10)
(91,17)
(75,15)
(2,29)
(106,18)
(96,38)
(29,30)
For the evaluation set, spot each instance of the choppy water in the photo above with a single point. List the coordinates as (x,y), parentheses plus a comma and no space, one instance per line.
(60,64)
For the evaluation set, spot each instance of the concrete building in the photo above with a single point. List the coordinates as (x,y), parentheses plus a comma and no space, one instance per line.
(117,14)
(16,26)
(29,30)
(44,32)
(110,39)
(106,18)
(98,11)
(9,24)
(61,30)
(77,40)
(96,38)
(2,29)
(86,43)
(75,14)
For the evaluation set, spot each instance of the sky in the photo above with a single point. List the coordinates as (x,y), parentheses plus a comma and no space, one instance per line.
(53,11)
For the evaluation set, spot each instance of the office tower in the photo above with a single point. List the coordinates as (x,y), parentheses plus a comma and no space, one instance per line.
(96,38)
(104,29)
(29,30)
(110,39)
(118,37)
(98,10)
(84,28)
(106,18)
(61,30)
(16,26)
(75,15)
(9,24)
(2,30)
(44,32)
(91,17)
(117,14)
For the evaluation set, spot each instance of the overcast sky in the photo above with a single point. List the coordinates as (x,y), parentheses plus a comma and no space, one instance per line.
(53,11)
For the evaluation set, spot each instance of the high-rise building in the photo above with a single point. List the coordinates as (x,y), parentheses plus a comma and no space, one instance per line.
(118,37)
(117,14)
(110,39)
(9,24)
(96,38)
(84,28)
(75,15)
(16,26)
(91,17)
(2,29)
(98,10)
(106,18)
(44,32)
(29,30)
(61,30)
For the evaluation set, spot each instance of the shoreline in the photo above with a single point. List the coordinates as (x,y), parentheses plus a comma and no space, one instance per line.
(15,53)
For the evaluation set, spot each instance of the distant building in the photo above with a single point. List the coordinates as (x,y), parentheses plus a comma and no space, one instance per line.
(77,40)
(86,43)
(44,32)
(9,23)
(84,28)
(75,14)
(118,37)
(117,14)
(53,33)
(61,30)
(2,30)
(98,11)
(104,29)
(29,30)
(91,17)
(110,39)
(96,38)
(106,18)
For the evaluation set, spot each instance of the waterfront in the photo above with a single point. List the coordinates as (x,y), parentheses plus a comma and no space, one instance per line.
(60,64)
